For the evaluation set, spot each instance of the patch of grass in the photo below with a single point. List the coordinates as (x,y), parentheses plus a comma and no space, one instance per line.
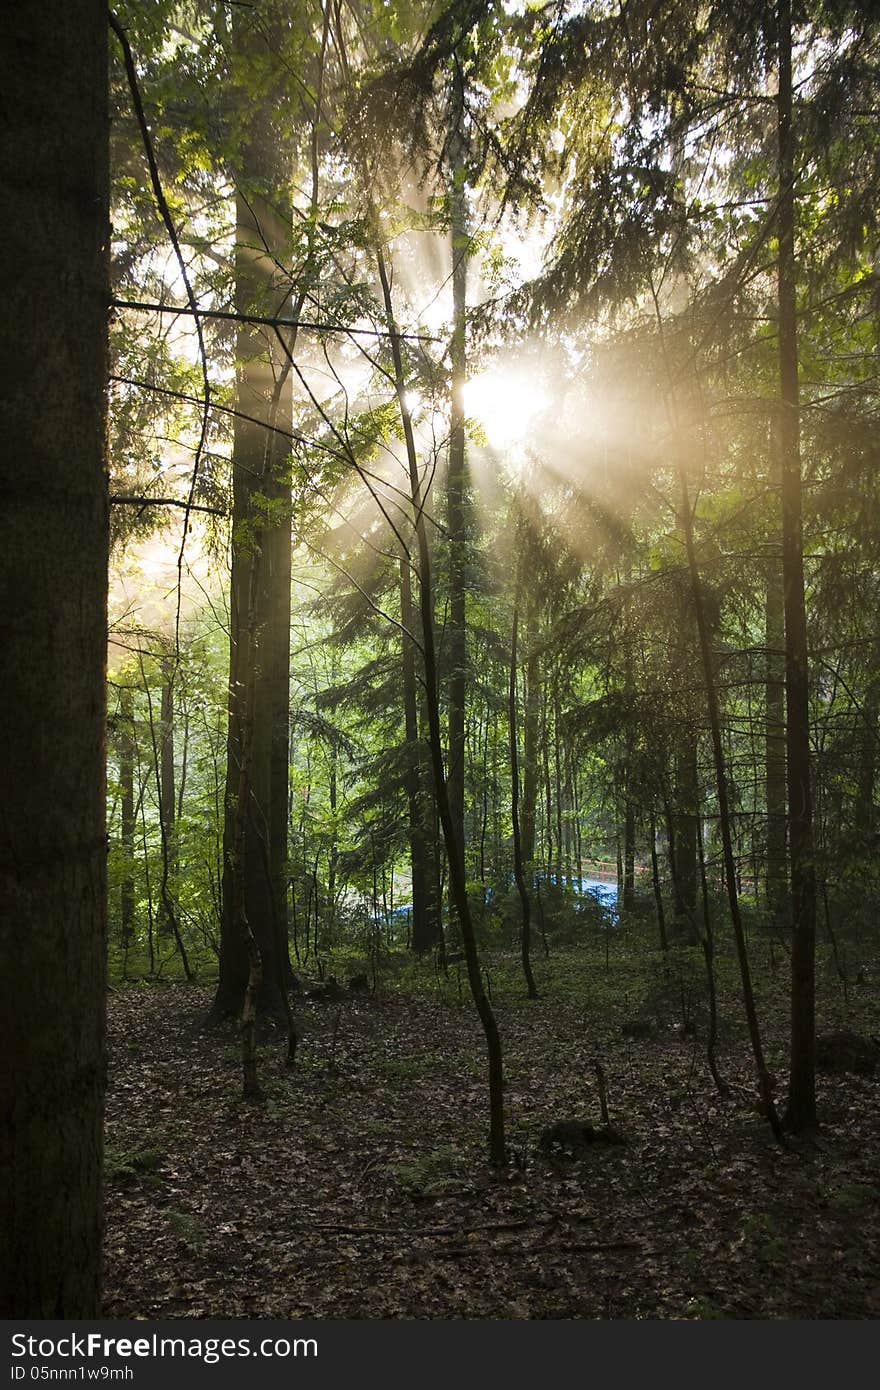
(127,1165)
(407,1068)
(854,1196)
(186,1227)
(769,1238)
(434,1172)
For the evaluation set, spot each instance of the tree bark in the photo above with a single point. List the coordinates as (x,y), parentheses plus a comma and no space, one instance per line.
(531,723)
(686,799)
(261,539)
(53,561)
(801,1111)
(776,877)
(457,485)
(168,922)
(629,848)
(865,815)
(126,745)
(518,869)
(658,891)
(425,920)
(167,791)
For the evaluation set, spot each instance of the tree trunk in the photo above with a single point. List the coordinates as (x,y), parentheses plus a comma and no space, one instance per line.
(261,539)
(548,794)
(53,556)
(518,870)
(629,850)
(168,922)
(801,1112)
(531,722)
(658,892)
(457,489)
(865,816)
(776,878)
(765,1084)
(425,921)
(686,800)
(127,813)
(457,877)
(167,792)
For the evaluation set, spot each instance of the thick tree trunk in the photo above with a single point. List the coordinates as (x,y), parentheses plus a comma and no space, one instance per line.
(259,608)
(801,1112)
(53,561)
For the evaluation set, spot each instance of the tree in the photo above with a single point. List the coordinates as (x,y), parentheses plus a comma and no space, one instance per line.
(457,473)
(53,544)
(257,774)
(801,1113)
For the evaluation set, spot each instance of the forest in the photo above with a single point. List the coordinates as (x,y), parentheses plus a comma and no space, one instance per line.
(441,659)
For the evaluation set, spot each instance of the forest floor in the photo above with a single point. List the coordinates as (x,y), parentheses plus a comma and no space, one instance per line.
(360,1188)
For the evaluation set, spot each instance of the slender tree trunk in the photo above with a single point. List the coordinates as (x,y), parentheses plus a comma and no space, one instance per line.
(531,724)
(484,798)
(687,799)
(658,892)
(765,1083)
(143,776)
(168,794)
(801,1111)
(548,794)
(457,878)
(519,873)
(425,923)
(184,767)
(629,850)
(557,782)
(333,797)
(578,841)
(776,878)
(168,920)
(53,562)
(708,943)
(457,517)
(865,816)
(127,812)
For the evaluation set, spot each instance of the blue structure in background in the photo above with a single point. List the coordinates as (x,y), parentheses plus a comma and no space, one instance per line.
(604,893)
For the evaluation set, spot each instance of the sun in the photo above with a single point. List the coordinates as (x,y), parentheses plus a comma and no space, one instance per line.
(507,404)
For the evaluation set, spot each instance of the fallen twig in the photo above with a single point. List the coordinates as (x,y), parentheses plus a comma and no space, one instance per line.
(425,1232)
